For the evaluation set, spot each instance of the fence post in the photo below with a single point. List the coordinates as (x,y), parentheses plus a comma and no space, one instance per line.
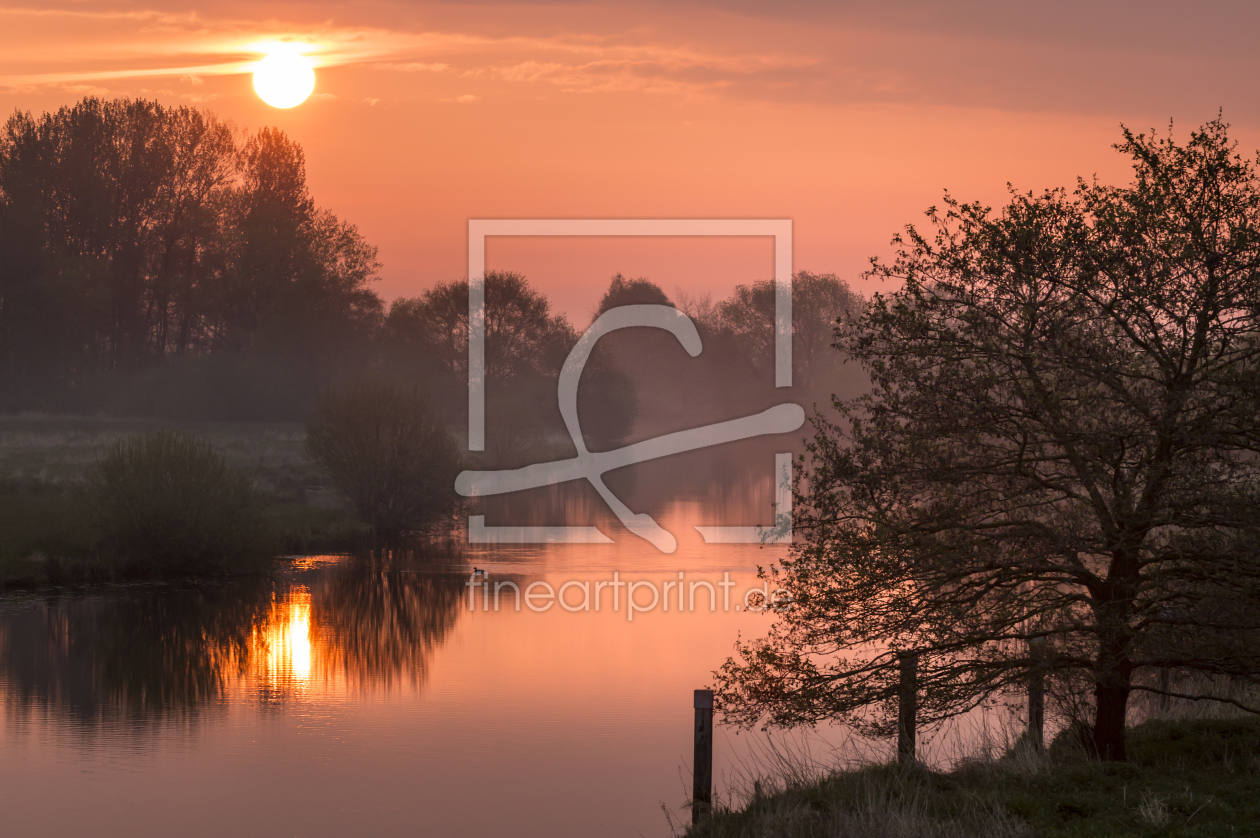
(1037,693)
(907,705)
(702,763)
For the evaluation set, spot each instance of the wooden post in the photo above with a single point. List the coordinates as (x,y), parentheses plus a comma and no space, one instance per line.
(1037,693)
(702,763)
(907,705)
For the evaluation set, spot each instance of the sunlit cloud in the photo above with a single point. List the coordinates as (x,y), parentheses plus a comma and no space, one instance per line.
(191,47)
(412,66)
(845,57)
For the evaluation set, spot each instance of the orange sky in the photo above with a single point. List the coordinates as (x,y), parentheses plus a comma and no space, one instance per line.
(848,118)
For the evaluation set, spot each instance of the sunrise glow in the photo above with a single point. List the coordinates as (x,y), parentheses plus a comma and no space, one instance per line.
(400,402)
(284,79)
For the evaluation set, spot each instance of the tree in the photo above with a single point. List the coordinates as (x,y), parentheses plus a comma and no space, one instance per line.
(1056,465)
(388,454)
(132,233)
(818,301)
(525,346)
(627,292)
(522,336)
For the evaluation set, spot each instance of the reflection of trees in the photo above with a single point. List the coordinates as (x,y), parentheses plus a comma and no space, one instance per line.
(140,654)
(144,654)
(372,624)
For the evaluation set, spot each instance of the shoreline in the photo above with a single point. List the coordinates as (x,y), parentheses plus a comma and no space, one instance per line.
(1195,778)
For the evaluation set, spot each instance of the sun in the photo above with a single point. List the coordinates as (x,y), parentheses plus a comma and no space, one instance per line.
(284,79)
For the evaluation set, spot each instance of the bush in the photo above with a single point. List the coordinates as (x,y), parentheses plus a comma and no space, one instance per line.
(167,502)
(388,454)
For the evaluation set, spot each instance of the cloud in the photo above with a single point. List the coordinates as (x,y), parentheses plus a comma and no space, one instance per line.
(693,49)
(85,90)
(76,46)
(412,66)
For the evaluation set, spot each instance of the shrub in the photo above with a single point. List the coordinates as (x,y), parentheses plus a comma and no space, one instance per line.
(388,454)
(169,503)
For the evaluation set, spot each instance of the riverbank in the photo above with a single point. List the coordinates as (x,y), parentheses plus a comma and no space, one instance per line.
(46,537)
(1195,778)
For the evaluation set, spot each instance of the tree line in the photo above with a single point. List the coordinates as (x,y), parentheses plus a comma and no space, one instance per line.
(132,234)
(158,261)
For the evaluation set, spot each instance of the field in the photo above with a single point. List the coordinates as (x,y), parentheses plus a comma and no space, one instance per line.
(53,450)
(44,532)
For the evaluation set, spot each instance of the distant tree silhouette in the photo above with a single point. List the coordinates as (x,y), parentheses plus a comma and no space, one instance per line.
(131,233)
(523,337)
(526,345)
(748,318)
(625,292)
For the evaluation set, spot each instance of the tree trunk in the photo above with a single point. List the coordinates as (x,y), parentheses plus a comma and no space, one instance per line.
(1111,701)
(1113,672)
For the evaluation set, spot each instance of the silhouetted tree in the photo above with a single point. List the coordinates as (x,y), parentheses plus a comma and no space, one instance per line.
(626,292)
(748,319)
(131,233)
(526,345)
(1059,454)
(388,454)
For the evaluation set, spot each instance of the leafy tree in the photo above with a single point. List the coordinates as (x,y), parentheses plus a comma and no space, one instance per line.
(388,454)
(526,345)
(748,319)
(1056,465)
(131,233)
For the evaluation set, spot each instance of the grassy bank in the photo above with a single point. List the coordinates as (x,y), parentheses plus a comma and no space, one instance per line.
(1197,778)
(46,534)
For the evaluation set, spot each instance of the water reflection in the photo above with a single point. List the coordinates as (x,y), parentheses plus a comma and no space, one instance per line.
(373,624)
(136,655)
(281,646)
(384,705)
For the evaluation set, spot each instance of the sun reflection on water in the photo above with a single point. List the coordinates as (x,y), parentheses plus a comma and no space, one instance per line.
(282,644)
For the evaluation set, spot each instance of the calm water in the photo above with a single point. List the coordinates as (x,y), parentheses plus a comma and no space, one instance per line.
(352,697)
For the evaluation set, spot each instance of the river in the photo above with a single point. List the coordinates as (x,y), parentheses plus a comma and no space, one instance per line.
(389,696)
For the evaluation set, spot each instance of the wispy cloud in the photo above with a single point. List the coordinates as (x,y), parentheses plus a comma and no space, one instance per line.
(837,57)
(80,47)
(412,66)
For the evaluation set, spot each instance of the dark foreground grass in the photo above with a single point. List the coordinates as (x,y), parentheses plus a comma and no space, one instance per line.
(1185,779)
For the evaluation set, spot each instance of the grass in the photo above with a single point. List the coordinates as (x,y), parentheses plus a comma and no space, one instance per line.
(46,533)
(1186,778)
(55,450)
